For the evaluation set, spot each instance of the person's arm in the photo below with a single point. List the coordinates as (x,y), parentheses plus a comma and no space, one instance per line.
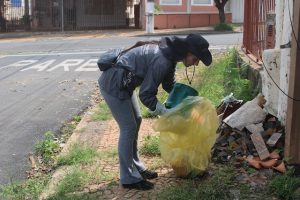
(169,80)
(156,74)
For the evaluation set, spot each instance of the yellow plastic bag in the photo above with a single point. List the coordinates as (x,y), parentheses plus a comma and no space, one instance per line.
(187,135)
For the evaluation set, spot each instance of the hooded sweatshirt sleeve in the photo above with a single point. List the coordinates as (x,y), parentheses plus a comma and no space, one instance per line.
(159,72)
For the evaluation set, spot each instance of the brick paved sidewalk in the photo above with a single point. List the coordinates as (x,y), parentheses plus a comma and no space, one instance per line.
(103,135)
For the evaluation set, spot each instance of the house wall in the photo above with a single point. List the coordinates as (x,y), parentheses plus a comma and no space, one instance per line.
(277,61)
(164,21)
(183,16)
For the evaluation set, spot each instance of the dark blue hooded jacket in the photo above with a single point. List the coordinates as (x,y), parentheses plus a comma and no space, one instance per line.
(151,65)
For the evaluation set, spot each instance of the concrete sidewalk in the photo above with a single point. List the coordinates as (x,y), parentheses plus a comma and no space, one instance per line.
(111,33)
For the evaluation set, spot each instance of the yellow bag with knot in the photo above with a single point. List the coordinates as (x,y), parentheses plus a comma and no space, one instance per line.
(187,135)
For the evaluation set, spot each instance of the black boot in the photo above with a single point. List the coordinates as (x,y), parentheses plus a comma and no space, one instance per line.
(147,174)
(142,185)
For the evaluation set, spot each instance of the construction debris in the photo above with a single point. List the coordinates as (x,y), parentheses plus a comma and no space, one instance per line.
(247,135)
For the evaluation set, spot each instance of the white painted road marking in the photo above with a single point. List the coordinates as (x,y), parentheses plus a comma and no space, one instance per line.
(54,54)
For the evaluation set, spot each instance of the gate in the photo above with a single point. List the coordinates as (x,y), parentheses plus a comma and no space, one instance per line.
(255,26)
(66,15)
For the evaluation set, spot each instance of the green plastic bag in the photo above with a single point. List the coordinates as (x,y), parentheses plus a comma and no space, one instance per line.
(180,92)
(187,135)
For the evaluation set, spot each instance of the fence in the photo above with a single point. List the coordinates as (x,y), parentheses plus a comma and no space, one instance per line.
(258,34)
(56,15)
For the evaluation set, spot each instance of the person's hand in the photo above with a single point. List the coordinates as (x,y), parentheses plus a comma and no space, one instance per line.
(161,109)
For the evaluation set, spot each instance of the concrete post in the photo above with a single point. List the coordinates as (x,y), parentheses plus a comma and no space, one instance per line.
(150,16)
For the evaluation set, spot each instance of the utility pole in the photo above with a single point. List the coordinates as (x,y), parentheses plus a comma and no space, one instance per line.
(150,16)
(292,139)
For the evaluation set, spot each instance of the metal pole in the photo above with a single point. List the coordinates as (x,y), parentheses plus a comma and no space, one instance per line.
(62,16)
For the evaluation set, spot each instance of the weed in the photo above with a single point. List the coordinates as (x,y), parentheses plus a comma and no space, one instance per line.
(76,155)
(223,78)
(284,186)
(222,179)
(47,148)
(150,146)
(77,118)
(223,27)
(31,189)
(183,191)
(103,113)
(72,182)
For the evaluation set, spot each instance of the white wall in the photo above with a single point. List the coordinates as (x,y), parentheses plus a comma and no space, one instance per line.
(237,10)
(277,62)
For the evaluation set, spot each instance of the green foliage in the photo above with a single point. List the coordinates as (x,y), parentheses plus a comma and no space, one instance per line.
(103,113)
(223,78)
(47,148)
(284,186)
(77,118)
(157,8)
(223,27)
(150,146)
(31,189)
(76,155)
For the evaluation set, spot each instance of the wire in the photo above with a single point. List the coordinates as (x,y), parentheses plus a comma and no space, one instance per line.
(189,80)
(276,83)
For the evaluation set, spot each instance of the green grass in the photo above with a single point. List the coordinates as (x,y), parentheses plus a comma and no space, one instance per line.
(186,190)
(223,27)
(103,113)
(47,148)
(77,155)
(215,188)
(30,189)
(224,77)
(73,181)
(150,146)
(284,186)
(78,178)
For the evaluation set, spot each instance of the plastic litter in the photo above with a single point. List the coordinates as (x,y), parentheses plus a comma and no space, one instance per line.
(187,135)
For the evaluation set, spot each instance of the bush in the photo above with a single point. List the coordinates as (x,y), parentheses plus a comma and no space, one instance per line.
(223,27)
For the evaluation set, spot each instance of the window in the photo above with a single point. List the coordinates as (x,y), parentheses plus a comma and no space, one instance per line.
(202,2)
(170,2)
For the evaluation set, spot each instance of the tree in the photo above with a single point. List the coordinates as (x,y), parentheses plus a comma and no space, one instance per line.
(2,19)
(220,4)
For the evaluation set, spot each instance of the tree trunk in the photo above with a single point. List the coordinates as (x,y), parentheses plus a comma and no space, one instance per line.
(221,15)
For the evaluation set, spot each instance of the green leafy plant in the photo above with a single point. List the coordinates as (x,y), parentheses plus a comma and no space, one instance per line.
(150,146)
(47,148)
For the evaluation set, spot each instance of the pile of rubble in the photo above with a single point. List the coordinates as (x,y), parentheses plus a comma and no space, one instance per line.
(249,135)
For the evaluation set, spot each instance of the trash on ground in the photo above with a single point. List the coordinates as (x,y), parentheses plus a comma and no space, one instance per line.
(187,135)
(250,136)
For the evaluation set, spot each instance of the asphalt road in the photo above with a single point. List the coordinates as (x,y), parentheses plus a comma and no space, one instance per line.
(45,82)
